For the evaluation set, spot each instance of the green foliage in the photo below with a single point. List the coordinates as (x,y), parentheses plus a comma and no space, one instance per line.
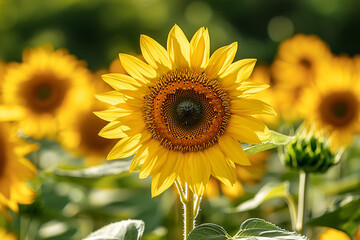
(253,228)
(267,192)
(111,168)
(123,230)
(345,216)
(276,140)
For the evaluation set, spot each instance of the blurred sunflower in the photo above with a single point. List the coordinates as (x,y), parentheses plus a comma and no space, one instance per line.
(262,73)
(49,85)
(79,132)
(4,235)
(15,169)
(183,112)
(332,104)
(295,66)
(333,234)
(248,175)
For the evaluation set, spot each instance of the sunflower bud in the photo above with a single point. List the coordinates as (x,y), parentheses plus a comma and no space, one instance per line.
(309,153)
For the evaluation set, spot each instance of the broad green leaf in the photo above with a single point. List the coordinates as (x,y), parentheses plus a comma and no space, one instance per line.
(276,140)
(256,228)
(208,231)
(111,168)
(269,191)
(123,230)
(251,229)
(345,217)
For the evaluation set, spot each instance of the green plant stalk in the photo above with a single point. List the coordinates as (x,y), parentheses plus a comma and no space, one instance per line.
(292,210)
(302,202)
(189,206)
(189,217)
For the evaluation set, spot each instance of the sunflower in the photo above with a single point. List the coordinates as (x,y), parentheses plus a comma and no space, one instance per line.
(333,234)
(15,169)
(332,103)
(4,235)
(295,66)
(248,175)
(49,85)
(182,113)
(79,132)
(262,73)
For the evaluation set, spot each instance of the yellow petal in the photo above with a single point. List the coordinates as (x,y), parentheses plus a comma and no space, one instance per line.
(137,68)
(25,148)
(113,113)
(244,106)
(200,50)
(10,113)
(112,130)
(247,89)
(125,85)
(155,54)
(169,172)
(237,72)
(129,125)
(221,60)
(247,129)
(126,147)
(200,169)
(178,47)
(156,158)
(112,97)
(25,168)
(233,150)
(120,81)
(141,153)
(139,157)
(152,150)
(220,167)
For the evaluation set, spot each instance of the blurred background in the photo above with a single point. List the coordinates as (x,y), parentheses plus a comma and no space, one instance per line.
(95,32)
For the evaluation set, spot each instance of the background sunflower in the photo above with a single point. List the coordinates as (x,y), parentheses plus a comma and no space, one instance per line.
(48,85)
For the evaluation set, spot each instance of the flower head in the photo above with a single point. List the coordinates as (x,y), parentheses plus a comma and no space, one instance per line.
(294,68)
(332,103)
(182,113)
(49,85)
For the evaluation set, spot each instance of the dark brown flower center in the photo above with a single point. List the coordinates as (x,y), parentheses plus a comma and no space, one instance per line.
(186,111)
(306,63)
(44,93)
(339,109)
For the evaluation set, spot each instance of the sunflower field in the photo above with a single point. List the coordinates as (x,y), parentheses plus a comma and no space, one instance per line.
(167,120)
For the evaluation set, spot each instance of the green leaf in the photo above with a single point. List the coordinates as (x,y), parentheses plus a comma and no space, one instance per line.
(111,168)
(255,228)
(208,231)
(251,229)
(123,230)
(269,191)
(276,140)
(345,217)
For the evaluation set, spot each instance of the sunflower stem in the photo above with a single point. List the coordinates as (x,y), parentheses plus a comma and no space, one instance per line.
(292,209)
(189,216)
(302,202)
(197,205)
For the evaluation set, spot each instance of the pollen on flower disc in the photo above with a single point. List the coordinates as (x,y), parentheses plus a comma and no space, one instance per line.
(187,111)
